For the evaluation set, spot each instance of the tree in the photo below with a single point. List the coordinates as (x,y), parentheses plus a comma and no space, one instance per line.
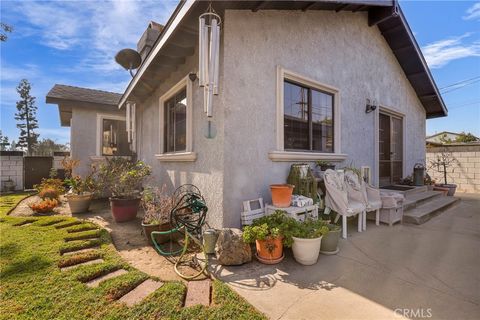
(5,28)
(27,117)
(466,137)
(3,141)
(13,146)
(46,147)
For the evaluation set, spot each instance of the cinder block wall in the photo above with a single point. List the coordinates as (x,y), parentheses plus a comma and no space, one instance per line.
(11,168)
(465,170)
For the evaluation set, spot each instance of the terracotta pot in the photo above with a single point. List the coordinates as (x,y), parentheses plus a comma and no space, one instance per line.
(79,203)
(450,187)
(160,238)
(124,209)
(281,195)
(444,190)
(270,249)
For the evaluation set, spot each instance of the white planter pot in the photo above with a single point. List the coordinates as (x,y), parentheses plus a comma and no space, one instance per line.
(306,251)
(79,203)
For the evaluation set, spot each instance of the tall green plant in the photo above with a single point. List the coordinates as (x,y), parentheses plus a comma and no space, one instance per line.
(121,177)
(26,117)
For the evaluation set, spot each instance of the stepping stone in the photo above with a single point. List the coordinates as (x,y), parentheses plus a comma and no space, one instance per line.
(198,292)
(82,264)
(26,224)
(82,230)
(69,224)
(71,253)
(91,237)
(140,292)
(96,282)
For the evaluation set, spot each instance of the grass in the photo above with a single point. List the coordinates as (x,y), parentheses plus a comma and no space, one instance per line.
(33,287)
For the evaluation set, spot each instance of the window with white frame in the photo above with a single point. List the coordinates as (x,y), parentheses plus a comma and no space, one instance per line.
(176,123)
(308,119)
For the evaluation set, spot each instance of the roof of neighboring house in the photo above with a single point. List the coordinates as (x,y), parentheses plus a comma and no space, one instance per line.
(171,47)
(61,92)
(442,133)
(69,96)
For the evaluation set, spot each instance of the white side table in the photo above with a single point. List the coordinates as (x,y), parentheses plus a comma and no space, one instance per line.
(298,213)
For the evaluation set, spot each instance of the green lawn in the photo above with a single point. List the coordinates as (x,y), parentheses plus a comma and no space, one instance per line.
(33,287)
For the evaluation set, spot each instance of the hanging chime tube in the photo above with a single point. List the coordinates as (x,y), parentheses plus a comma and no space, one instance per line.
(133,119)
(211,69)
(201,52)
(217,62)
(127,111)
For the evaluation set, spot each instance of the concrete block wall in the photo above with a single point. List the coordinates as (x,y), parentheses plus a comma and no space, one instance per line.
(464,172)
(11,168)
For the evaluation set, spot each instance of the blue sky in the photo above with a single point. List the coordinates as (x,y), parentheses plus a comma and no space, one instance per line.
(73,42)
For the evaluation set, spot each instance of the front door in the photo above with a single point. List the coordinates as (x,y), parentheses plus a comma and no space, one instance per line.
(390,149)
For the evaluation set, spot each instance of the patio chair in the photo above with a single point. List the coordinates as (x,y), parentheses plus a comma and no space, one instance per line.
(371,196)
(344,202)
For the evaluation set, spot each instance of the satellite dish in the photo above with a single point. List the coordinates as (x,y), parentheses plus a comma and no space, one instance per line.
(129,59)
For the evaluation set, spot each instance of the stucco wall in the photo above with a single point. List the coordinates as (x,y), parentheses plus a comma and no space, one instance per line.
(337,49)
(83,136)
(464,170)
(207,171)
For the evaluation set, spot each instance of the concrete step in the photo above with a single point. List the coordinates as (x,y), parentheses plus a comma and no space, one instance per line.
(96,282)
(415,199)
(427,210)
(82,264)
(140,292)
(198,292)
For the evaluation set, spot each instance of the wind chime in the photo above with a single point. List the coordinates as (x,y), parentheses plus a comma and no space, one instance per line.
(130,125)
(209,49)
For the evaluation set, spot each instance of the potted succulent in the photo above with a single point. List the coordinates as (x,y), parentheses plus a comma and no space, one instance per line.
(157,206)
(325,165)
(282,195)
(306,239)
(81,192)
(123,179)
(44,206)
(330,240)
(267,233)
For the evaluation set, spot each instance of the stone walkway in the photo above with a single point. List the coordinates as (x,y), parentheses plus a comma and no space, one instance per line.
(130,244)
(413,269)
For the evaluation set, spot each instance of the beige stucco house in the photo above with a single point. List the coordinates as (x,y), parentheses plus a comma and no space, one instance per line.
(299,81)
(97,126)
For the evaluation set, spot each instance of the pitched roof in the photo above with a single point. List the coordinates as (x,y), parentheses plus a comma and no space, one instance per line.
(385,14)
(61,92)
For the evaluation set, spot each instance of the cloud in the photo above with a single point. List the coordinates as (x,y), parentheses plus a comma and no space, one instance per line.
(61,135)
(473,13)
(439,53)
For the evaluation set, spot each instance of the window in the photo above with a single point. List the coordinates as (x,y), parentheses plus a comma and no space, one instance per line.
(176,123)
(308,118)
(175,126)
(114,138)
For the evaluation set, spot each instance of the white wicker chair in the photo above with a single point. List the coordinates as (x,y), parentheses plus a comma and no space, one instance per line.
(344,202)
(371,196)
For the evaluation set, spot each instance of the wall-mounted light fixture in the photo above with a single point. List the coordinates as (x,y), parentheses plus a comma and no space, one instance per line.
(371,106)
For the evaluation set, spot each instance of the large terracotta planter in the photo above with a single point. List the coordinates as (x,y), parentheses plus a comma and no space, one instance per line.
(450,187)
(79,203)
(124,209)
(281,195)
(270,250)
(159,238)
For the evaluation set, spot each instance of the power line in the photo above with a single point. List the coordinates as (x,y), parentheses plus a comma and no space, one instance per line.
(461,86)
(456,83)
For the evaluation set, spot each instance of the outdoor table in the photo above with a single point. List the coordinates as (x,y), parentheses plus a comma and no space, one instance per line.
(298,213)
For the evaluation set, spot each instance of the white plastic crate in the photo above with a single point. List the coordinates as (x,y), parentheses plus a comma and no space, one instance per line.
(298,213)
(248,215)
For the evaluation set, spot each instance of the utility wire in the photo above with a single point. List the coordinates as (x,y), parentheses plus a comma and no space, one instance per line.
(456,83)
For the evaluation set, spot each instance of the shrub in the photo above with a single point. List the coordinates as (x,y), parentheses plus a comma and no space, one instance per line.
(268,227)
(44,206)
(157,205)
(48,193)
(51,183)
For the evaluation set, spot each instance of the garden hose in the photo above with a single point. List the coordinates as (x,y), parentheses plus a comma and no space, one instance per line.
(202,271)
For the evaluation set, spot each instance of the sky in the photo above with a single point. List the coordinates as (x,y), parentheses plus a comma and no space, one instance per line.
(74,42)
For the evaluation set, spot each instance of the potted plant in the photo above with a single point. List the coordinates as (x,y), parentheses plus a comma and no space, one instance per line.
(123,179)
(429,182)
(50,188)
(157,206)
(329,243)
(325,165)
(281,195)
(443,161)
(81,192)
(267,233)
(306,238)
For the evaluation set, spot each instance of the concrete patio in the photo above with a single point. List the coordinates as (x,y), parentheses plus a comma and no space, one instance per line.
(426,271)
